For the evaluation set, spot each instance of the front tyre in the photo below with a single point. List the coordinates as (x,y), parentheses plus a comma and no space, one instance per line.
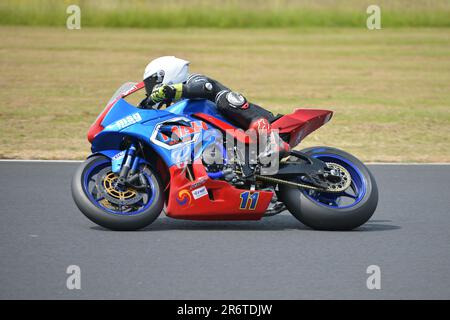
(334,211)
(95,194)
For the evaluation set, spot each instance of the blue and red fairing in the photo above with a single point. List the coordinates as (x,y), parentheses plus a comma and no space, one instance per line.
(197,197)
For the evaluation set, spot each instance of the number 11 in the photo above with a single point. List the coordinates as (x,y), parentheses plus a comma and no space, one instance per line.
(249,200)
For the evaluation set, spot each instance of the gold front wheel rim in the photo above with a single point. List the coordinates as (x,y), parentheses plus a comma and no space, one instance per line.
(110,182)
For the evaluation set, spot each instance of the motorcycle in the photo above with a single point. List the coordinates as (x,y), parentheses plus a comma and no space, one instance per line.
(145,161)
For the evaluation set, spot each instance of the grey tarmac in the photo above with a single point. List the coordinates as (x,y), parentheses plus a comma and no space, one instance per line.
(42,233)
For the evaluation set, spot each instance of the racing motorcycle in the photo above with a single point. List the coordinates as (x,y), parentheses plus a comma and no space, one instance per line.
(145,161)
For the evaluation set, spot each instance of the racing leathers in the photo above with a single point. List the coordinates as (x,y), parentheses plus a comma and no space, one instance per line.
(232,105)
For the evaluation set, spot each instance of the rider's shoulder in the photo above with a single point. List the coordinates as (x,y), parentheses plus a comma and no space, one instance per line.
(197,77)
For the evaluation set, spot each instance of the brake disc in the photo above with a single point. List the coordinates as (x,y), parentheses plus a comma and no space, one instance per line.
(107,185)
(345,179)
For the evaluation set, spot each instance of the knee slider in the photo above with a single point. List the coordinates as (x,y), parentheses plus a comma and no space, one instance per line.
(231,99)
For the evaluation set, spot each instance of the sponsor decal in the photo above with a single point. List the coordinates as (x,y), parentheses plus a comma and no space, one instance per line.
(197,184)
(118,155)
(177,135)
(128,121)
(200,192)
(116,161)
(184,198)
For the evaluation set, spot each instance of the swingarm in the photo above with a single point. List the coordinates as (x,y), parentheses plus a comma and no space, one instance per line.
(310,173)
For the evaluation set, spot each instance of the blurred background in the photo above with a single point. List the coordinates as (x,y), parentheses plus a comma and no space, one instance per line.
(389,88)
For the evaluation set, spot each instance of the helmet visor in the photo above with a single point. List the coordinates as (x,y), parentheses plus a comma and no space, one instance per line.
(151,81)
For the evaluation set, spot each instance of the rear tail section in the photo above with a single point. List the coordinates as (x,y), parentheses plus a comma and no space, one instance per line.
(301,123)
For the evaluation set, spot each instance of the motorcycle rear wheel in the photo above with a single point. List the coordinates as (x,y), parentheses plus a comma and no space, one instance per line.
(334,211)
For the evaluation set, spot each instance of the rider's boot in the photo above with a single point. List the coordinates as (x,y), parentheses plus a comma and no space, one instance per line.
(274,141)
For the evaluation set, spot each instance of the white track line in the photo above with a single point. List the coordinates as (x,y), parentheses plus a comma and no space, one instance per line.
(369,163)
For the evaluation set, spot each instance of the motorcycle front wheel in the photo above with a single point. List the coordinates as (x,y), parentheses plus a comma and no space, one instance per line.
(95,192)
(346,210)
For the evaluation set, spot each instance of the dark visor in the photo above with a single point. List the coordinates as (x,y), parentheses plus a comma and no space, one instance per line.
(150,83)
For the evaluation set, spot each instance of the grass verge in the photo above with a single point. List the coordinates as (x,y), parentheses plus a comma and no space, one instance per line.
(388,88)
(226,13)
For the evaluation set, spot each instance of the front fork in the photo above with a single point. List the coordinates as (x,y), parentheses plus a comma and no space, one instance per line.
(129,174)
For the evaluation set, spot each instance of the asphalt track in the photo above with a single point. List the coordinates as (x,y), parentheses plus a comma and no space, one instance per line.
(42,233)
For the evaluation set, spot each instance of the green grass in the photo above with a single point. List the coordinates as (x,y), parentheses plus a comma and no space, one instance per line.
(389,88)
(226,13)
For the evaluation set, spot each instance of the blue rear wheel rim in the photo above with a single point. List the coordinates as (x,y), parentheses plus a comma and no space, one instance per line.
(89,182)
(346,199)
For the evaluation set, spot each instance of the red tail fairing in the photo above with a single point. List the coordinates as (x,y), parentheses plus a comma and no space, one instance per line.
(301,123)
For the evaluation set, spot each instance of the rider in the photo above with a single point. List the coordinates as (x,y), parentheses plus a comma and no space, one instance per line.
(167,78)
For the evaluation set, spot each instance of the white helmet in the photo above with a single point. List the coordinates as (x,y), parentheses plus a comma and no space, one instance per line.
(165,70)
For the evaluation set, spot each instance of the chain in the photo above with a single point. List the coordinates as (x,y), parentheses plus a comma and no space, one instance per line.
(330,188)
(289,183)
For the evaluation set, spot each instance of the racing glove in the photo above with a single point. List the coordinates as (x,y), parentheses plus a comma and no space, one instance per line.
(166,92)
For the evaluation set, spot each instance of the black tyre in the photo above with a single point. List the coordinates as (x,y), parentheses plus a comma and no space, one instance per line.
(330,211)
(94,194)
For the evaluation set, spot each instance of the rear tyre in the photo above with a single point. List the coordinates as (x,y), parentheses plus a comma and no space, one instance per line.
(328,211)
(94,194)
